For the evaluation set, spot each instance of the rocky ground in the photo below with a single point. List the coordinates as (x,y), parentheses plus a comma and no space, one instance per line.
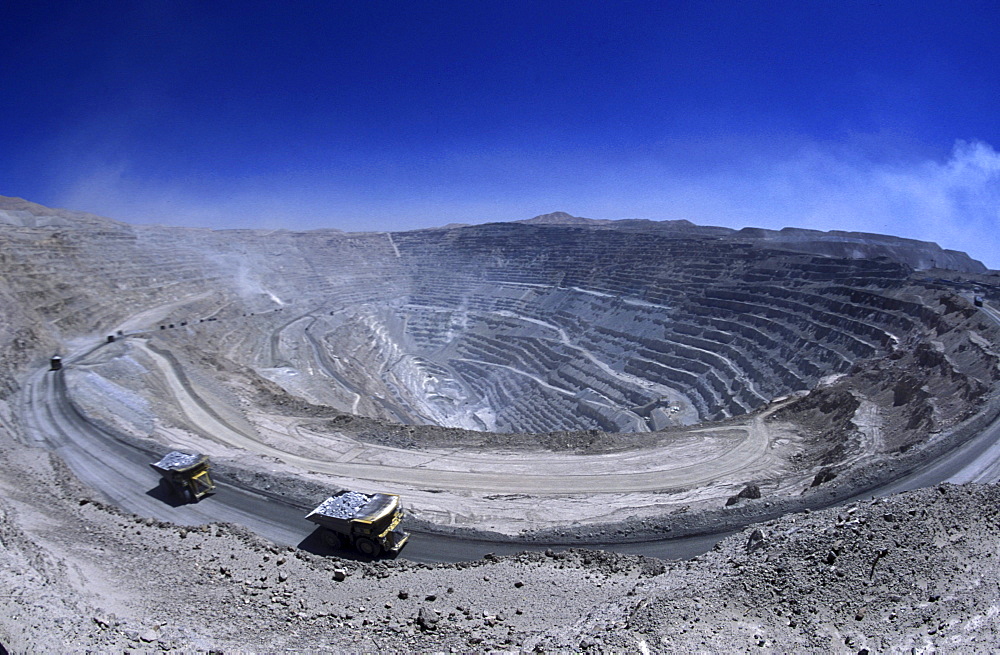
(916,572)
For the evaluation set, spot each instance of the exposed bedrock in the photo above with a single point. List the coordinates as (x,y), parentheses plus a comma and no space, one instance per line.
(501,327)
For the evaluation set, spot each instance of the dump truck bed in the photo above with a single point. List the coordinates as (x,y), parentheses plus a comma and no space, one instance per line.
(337,510)
(177,462)
(369,522)
(187,475)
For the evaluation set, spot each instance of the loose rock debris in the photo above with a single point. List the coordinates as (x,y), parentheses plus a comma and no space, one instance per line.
(915,571)
(344,506)
(176,460)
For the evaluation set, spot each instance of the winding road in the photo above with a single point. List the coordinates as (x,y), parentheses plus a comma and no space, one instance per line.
(119,471)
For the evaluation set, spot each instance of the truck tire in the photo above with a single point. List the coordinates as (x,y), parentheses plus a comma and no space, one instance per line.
(188,496)
(367,547)
(332,539)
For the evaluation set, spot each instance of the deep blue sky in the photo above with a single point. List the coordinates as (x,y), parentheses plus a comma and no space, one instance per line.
(370,114)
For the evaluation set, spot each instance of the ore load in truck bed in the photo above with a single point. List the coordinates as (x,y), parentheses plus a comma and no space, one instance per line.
(178,461)
(345,506)
(368,522)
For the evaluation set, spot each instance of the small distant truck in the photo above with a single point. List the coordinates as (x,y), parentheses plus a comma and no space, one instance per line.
(185,475)
(367,522)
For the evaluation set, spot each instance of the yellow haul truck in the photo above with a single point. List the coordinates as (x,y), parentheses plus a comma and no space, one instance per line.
(185,475)
(368,522)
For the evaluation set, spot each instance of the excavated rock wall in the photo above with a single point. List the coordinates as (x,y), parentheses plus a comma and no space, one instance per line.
(727,325)
(502,327)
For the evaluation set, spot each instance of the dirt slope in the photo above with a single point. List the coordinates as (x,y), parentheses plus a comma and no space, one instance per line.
(917,571)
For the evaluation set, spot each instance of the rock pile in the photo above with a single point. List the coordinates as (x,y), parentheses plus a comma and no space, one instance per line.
(344,506)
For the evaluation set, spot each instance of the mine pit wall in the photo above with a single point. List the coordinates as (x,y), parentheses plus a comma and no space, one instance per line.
(725,324)
(757,309)
(316,272)
(66,282)
(129,269)
(931,381)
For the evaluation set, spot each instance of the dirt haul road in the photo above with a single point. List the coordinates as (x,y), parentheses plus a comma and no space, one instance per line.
(120,471)
(507,491)
(736,453)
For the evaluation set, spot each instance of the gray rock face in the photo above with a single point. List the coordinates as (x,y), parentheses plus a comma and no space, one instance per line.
(503,327)
(920,255)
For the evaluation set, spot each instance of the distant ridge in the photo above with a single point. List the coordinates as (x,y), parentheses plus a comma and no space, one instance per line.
(19,212)
(673,228)
(562,218)
(919,255)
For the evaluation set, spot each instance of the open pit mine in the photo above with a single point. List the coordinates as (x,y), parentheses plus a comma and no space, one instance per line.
(609,435)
